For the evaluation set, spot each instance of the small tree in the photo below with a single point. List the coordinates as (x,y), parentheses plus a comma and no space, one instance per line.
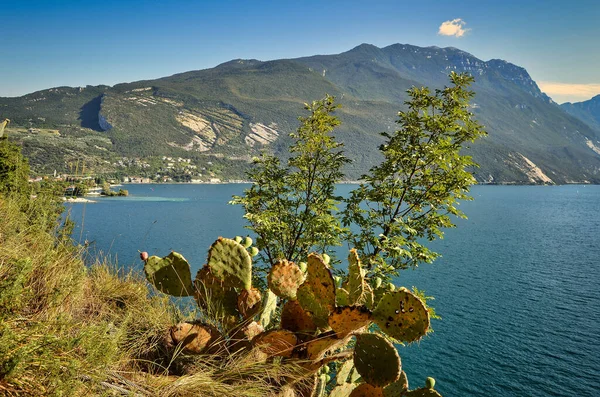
(292,208)
(408,197)
(412,193)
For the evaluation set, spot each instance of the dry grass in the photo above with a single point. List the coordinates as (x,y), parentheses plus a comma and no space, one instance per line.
(71,330)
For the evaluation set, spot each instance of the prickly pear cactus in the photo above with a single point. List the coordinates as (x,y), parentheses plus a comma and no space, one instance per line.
(343,372)
(231,263)
(345,320)
(430,383)
(276,342)
(397,388)
(376,360)
(402,315)
(249,302)
(170,275)
(317,293)
(268,309)
(423,392)
(356,278)
(195,338)
(366,390)
(214,295)
(284,279)
(342,297)
(316,349)
(343,390)
(294,318)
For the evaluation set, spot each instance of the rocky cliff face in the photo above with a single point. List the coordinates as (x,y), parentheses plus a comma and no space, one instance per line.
(586,111)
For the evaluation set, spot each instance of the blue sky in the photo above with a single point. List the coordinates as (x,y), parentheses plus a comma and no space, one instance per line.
(67,42)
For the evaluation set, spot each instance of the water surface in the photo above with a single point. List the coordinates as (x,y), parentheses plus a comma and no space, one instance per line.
(517,286)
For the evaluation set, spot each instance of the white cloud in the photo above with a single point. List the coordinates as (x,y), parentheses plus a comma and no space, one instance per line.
(565,92)
(455,27)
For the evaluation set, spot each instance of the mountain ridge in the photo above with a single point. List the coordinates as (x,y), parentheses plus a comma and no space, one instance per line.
(228,113)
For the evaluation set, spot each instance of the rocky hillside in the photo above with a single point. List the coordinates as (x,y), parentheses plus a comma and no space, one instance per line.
(586,111)
(221,117)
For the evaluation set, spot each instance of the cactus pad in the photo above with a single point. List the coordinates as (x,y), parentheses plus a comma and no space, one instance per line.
(195,338)
(397,388)
(285,278)
(423,392)
(345,320)
(342,390)
(231,262)
(376,360)
(269,307)
(316,348)
(251,330)
(170,275)
(276,342)
(213,295)
(342,297)
(402,315)
(294,318)
(430,383)
(317,293)
(343,372)
(366,390)
(249,302)
(356,277)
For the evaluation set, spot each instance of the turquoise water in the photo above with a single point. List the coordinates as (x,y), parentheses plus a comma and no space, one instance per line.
(517,287)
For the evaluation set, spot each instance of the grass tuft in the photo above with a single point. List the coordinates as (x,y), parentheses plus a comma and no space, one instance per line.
(71,329)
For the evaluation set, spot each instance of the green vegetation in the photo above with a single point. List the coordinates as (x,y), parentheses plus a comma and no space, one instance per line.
(280,330)
(106,191)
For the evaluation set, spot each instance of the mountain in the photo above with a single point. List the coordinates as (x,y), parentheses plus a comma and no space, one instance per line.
(220,117)
(587,111)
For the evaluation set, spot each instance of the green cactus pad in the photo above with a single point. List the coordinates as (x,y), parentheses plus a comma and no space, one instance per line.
(213,295)
(368,298)
(249,302)
(317,293)
(277,342)
(343,372)
(345,320)
(376,360)
(195,338)
(269,307)
(342,297)
(247,243)
(231,262)
(366,390)
(356,277)
(294,318)
(402,315)
(342,390)
(285,278)
(422,392)
(397,388)
(170,275)
(303,266)
(430,383)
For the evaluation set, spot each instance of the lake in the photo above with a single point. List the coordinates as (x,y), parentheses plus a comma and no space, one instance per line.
(517,286)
